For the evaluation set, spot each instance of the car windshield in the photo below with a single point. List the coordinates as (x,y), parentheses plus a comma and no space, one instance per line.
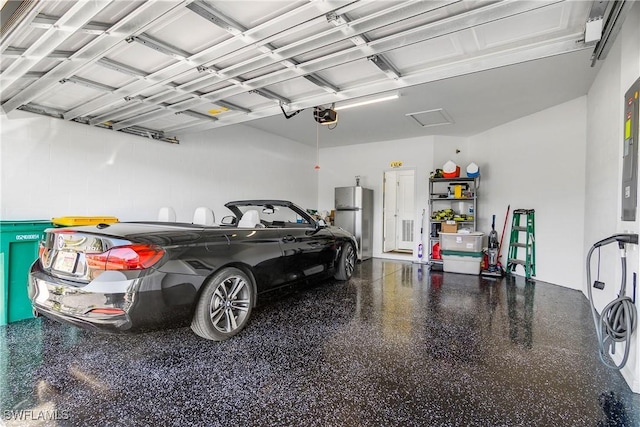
(276,216)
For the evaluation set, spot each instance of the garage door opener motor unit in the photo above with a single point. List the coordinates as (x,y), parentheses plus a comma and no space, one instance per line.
(325,116)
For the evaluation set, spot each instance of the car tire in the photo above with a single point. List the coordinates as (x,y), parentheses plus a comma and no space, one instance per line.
(224,306)
(346,263)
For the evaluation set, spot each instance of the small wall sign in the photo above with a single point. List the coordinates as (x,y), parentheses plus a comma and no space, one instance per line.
(396,164)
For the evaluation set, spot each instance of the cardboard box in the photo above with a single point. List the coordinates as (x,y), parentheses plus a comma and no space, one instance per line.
(449,227)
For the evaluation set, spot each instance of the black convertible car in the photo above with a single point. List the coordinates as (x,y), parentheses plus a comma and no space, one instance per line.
(148,275)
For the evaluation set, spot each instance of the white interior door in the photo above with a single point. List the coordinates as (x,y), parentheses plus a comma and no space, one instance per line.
(390,219)
(399,210)
(405,206)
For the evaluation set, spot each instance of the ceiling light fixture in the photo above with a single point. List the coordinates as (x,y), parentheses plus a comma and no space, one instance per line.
(367,102)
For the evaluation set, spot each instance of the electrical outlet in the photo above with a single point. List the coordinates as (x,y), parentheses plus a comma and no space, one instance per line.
(598,284)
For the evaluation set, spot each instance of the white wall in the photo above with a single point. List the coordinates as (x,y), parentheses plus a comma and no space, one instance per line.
(604,166)
(53,168)
(535,162)
(538,162)
(456,149)
(340,165)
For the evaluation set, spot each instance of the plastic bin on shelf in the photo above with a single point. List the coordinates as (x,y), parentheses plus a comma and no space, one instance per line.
(19,242)
(461,262)
(466,242)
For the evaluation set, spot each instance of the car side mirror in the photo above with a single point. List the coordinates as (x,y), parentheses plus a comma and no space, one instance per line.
(229,220)
(321,223)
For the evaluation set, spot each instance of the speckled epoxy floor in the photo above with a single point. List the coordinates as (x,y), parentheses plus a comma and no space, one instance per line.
(396,345)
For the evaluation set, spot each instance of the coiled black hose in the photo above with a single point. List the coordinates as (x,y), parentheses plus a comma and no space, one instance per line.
(618,319)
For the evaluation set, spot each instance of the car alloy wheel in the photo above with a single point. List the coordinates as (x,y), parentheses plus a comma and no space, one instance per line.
(230,304)
(350,260)
(347,262)
(225,305)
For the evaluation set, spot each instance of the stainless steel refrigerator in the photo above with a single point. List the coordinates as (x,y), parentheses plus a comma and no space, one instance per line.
(354,213)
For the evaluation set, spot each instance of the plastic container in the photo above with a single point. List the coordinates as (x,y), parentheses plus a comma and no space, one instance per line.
(465,242)
(454,174)
(450,170)
(70,221)
(462,207)
(19,242)
(473,171)
(435,251)
(461,262)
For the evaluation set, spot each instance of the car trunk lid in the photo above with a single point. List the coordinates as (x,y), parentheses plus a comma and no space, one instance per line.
(81,254)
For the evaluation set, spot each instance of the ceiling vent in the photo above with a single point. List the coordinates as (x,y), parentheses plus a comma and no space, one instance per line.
(430,118)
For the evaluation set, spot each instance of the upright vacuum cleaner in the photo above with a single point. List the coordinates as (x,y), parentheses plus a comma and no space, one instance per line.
(618,320)
(493,269)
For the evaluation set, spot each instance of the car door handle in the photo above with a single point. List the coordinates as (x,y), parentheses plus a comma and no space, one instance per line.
(289,238)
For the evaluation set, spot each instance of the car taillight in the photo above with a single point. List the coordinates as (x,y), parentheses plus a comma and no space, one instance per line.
(133,257)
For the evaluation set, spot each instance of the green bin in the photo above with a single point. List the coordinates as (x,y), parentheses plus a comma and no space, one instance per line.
(19,242)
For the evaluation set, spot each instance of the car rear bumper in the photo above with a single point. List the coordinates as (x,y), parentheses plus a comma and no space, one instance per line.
(114,302)
(110,323)
(82,306)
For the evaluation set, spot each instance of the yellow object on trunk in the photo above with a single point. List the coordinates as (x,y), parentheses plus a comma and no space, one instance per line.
(69,221)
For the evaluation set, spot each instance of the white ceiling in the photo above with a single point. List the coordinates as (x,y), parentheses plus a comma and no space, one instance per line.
(474,102)
(168,68)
